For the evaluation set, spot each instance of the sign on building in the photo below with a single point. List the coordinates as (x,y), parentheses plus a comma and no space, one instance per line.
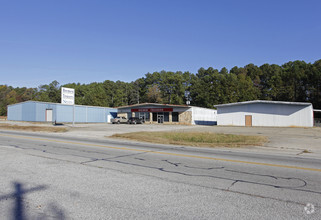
(152,110)
(67,96)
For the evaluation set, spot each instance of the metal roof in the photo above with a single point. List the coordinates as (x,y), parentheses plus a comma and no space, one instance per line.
(264,102)
(52,103)
(154,104)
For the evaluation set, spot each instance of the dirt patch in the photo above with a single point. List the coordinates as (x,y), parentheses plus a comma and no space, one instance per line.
(33,128)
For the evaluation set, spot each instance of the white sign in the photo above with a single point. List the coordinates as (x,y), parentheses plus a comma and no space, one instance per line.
(67,96)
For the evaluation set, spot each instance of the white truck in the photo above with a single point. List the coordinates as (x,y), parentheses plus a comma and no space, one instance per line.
(119,120)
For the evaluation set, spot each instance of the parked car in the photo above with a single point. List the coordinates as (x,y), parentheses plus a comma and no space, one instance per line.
(119,120)
(135,120)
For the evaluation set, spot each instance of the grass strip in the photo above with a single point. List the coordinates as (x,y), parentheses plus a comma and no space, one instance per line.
(201,139)
(33,128)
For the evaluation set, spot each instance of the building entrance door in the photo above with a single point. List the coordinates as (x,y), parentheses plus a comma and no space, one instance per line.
(108,118)
(49,115)
(248,120)
(160,119)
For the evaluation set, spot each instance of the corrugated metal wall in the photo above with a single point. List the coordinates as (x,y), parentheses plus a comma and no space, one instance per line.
(204,116)
(14,113)
(264,114)
(36,112)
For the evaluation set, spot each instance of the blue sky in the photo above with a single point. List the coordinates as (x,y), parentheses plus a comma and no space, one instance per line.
(96,40)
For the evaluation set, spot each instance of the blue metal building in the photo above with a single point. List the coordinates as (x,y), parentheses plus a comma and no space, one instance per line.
(55,112)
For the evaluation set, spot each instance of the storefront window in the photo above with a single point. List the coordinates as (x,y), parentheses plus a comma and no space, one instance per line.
(154,116)
(174,116)
(147,116)
(166,116)
(144,115)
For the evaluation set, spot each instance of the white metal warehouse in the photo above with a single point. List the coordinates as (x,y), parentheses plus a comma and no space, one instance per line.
(265,113)
(155,113)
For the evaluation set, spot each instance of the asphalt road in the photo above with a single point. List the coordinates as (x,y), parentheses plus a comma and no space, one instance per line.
(48,177)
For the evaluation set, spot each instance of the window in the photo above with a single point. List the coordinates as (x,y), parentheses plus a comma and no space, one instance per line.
(174,116)
(146,116)
(166,116)
(154,116)
(143,115)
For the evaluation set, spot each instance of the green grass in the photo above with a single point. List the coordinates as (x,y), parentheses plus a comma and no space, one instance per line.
(202,139)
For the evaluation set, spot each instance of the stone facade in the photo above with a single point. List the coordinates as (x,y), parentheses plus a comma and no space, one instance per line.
(185,118)
(122,115)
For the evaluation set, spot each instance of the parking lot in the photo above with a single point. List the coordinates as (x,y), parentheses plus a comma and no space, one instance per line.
(290,140)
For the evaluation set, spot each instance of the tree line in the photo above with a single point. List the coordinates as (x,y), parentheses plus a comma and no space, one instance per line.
(295,81)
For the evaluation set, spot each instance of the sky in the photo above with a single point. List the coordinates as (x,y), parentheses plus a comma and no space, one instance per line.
(84,41)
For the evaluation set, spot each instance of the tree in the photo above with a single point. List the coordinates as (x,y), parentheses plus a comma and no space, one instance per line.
(171,86)
(4,91)
(294,78)
(293,81)
(95,95)
(314,84)
(154,94)
(272,87)
(135,91)
(205,88)
(49,93)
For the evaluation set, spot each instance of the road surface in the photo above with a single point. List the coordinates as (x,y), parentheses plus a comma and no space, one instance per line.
(50,177)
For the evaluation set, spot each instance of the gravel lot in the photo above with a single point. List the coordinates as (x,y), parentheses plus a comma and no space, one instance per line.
(290,140)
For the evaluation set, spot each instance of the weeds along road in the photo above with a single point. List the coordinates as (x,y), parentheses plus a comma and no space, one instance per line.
(48,177)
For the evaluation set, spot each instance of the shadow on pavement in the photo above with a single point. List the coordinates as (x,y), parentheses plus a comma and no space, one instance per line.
(19,212)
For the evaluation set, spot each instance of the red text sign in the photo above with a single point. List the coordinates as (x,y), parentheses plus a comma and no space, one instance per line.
(152,110)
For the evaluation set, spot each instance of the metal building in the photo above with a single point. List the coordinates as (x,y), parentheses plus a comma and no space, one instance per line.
(55,112)
(154,113)
(266,113)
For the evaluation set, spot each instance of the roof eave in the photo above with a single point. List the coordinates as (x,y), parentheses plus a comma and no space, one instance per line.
(264,102)
(153,104)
